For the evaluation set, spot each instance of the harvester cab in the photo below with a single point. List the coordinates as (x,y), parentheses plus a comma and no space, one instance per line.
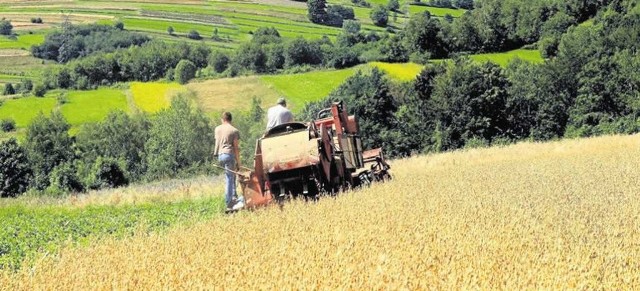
(307,159)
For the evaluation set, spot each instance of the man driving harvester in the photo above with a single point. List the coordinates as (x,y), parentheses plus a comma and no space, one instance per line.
(279,114)
(228,152)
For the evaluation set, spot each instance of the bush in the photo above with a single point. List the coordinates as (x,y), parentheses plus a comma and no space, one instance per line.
(180,138)
(344,12)
(39,90)
(27,85)
(380,16)
(7,125)
(47,145)
(193,34)
(393,5)
(119,136)
(119,25)
(8,89)
(106,173)
(361,3)
(185,71)
(15,171)
(219,61)
(36,20)
(170,30)
(64,179)
(5,27)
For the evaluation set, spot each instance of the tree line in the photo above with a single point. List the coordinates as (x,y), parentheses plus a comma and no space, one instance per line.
(117,151)
(591,87)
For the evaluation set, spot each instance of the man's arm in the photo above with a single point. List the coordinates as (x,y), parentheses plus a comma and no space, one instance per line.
(236,151)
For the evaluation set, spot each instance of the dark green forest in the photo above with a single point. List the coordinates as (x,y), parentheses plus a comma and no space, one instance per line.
(588,85)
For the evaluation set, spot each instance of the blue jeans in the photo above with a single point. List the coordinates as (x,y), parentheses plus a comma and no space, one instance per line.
(229,163)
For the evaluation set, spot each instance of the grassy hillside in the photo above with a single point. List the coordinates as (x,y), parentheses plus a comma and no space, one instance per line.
(559,215)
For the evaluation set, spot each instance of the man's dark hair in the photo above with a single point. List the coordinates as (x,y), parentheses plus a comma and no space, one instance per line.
(226,116)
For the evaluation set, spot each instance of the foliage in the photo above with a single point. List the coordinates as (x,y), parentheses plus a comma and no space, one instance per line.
(193,34)
(39,90)
(147,62)
(317,12)
(393,5)
(5,27)
(180,139)
(185,71)
(8,89)
(379,15)
(83,40)
(63,179)
(15,170)
(47,145)
(7,125)
(119,137)
(107,173)
(170,30)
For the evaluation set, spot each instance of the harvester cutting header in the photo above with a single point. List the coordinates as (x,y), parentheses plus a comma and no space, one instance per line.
(322,156)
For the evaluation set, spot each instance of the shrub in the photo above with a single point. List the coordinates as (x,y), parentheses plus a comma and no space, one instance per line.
(170,30)
(5,27)
(8,89)
(106,173)
(193,34)
(7,125)
(36,20)
(119,25)
(219,61)
(393,5)
(180,138)
(15,171)
(185,71)
(64,179)
(39,90)
(379,15)
(47,145)
(27,85)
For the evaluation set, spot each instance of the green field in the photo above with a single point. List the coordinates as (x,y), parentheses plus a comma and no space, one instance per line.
(305,87)
(503,59)
(22,41)
(153,97)
(436,11)
(404,72)
(23,110)
(28,231)
(92,106)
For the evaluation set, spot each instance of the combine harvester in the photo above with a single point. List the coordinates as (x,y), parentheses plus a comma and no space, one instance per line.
(307,159)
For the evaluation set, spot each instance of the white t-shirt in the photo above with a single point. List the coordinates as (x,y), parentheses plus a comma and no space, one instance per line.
(277,115)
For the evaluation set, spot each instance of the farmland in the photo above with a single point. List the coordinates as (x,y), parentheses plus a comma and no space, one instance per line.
(559,215)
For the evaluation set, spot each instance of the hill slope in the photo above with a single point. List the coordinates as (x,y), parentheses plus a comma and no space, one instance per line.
(551,216)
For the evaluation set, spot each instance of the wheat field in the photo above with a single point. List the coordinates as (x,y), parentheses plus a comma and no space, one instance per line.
(529,216)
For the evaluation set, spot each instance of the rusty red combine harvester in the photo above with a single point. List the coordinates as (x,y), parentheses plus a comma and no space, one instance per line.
(307,159)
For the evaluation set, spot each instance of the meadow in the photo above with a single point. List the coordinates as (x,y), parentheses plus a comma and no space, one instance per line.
(558,215)
(504,58)
(153,96)
(403,72)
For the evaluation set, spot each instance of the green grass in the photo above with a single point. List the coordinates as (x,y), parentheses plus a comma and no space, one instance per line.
(305,87)
(400,71)
(28,231)
(22,41)
(92,106)
(436,11)
(503,59)
(152,97)
(23,110)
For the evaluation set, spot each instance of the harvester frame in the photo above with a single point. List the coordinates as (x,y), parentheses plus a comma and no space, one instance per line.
(308,159)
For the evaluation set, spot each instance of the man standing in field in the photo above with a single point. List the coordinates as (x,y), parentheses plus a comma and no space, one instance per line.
(279,114)
(228,153)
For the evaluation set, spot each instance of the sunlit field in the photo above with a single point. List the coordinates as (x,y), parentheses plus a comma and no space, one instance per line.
(559,215)
(400,71)
(153,97)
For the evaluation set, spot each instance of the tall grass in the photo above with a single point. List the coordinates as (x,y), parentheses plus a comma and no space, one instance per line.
(561,215)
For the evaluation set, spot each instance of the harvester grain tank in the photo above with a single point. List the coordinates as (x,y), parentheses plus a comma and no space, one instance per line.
(322,156)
